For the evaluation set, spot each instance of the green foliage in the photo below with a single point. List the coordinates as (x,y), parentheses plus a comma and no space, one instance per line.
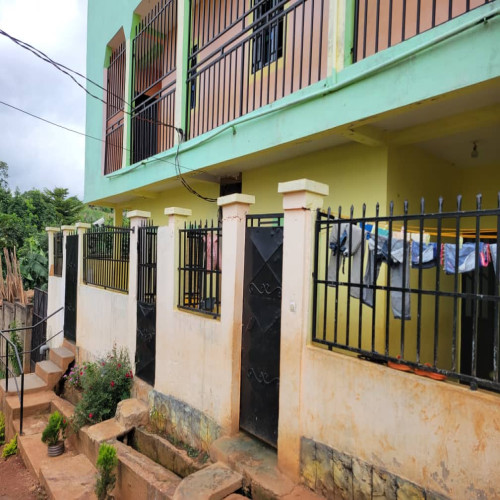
(15,339)
(33,262)
(2,428)
(106,465)
(75,376)
(105,383)
(55,429)
(10,448)
(91,213)
(67,208)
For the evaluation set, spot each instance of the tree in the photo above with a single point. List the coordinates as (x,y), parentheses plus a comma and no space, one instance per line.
(67,209)
(4,175)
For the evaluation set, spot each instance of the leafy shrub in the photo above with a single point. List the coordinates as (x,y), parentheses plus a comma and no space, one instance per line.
(10,448)
(55,429)
(14,338)
(75,376)
(106,478)
(104,385)
(2,428)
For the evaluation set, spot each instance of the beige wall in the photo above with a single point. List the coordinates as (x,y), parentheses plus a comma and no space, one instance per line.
(55,300)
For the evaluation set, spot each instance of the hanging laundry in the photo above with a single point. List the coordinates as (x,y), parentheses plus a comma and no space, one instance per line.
(398,262)
(345,241)
(466,257)
(430,256)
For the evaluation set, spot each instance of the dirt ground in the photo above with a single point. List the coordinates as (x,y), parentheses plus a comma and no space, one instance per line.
(16,482)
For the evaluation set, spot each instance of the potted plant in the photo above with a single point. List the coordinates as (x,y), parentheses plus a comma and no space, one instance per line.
(54,434)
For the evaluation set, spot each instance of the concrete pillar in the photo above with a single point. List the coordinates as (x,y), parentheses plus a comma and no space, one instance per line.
(301,198)
(137,219)
(81,229)
(50,235)
(234,210)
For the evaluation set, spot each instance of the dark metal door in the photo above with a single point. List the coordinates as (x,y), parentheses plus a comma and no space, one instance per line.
(39,332)
(71,286)
(145,353)
(260,346)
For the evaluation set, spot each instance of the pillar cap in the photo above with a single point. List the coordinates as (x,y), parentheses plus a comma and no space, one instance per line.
(52,229)
(303,185)
(83,225)
(246,199)
(138,213)
(68,228)
(185,212)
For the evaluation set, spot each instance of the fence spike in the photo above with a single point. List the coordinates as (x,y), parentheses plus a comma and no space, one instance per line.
(459,203)
(440,204)
(479,199)
(406,207)
(391,208)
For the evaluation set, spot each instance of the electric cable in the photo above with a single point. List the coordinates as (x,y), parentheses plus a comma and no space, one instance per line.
(66,70)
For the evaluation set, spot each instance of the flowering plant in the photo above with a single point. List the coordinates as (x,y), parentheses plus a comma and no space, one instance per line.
(76,374)
(104,383)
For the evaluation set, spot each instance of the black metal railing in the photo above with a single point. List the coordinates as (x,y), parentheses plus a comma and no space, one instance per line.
(379,24)
(58,253)
(113,148)
(106,252)
(12,360)
(200,258)
(249,54)
(153,78)
(115,91)
(434,309)
(146,262)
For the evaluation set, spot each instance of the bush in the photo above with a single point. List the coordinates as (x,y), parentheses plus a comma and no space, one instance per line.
(10,448)
(55,429)
(106,463)
(75,376)
(14,338)
(104,385)
(2,428)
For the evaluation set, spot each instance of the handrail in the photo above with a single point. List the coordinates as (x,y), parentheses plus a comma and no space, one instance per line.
(20,393)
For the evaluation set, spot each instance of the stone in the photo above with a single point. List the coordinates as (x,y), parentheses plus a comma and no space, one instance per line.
(384,485)
(361,480)
(302,493)
(308,465)
(432,495)
(324,470)
(409,491)
(212,483)
(132,413)
(342,476)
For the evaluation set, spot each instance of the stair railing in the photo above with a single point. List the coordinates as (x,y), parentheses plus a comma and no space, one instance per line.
(4,360)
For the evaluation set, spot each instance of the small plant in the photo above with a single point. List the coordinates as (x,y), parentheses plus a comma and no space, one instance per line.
(104,385)
(106,464)
(55,429)
(2,428)
(77,373)
(14,338)
(10,448)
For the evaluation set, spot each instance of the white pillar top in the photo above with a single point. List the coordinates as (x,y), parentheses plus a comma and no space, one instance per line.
(138,213)
(246,199)
(82,225)
(303,185)
(185,212)
(68,228)
(52,229)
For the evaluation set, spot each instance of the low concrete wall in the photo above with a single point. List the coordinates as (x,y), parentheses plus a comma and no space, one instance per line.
(101,322)
(439,435)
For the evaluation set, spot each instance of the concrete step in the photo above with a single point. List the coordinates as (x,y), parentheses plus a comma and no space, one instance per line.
(71,346)
(256,462)
(32,383)
(62,357)
(214,482)
(49,372)
(69,476)
(139,477)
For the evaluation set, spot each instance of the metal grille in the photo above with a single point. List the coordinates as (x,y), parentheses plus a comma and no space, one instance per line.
(244,55)
(115,91)
(58,253)
(380,24)
(430,334)
(200,258)
(106,257)
(147,258)
(153,75)
(38,332)
(114,148)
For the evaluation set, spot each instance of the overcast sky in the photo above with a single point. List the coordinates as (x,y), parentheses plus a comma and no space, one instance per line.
(40,155)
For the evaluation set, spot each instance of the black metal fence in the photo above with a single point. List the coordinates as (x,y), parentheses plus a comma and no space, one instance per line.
(434,308)
(200,258)
(380,24)
(58,253)
(146,262)
(106,257)
(154,76)
(244,55)
(113,148)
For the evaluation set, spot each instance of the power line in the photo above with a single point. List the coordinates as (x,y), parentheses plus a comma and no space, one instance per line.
(66,70)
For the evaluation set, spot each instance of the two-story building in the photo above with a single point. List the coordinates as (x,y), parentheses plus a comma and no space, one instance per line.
(267,316)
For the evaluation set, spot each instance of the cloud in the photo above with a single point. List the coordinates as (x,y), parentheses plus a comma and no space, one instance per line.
(40,155)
